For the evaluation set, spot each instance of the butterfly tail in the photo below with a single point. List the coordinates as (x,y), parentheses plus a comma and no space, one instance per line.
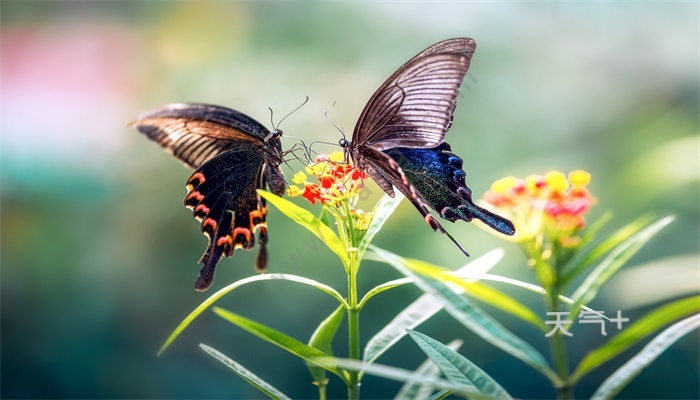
(206,275)
(494,221)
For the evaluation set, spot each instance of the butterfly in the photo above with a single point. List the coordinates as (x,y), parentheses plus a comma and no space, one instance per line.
(232,155)
(399,138)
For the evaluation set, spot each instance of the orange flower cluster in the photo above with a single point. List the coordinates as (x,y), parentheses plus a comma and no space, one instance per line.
(549,203)
(338,181)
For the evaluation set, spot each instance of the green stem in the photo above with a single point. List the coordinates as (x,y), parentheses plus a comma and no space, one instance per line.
(353,326)
(351,224)
(559,354)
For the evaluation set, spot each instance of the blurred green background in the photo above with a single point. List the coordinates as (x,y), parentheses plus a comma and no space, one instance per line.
(99,256)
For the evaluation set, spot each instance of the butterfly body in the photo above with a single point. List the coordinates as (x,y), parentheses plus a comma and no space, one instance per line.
(233,155)
(399,137)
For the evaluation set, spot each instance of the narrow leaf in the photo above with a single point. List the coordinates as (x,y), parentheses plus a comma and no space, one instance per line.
(416,391)
(382,211)
(420,310)
(287,343)
(458,368)
(589,256)
(441,395)
(614,261)
(523,285)
(257,278)
(472,317)
(403,375)
(478,291)
(382,288)
(306,219)
(636,332)
(625,374)
(322,339)
(269,390)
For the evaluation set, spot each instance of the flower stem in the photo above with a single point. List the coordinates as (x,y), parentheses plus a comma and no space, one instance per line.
(353,326)
(559,355)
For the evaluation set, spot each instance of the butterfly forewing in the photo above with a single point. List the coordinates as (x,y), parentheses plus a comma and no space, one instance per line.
(414,107)
(195,133)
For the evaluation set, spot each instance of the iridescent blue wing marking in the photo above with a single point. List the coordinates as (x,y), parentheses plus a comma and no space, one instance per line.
(439,180)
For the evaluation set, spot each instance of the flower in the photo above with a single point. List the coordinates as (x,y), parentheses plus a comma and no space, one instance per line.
(337,181)
(548,204)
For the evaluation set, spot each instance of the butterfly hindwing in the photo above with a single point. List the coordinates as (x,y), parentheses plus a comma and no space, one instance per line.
(437,176)
(221,193)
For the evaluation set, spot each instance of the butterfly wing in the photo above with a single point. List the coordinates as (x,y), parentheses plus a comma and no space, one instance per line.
(221,194)
(398,139)
(415,106)
(233,156)
(439,181)
(195,133)
(390,171)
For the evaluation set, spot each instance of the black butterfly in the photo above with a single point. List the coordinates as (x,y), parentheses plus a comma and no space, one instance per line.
(398,139)
(232,155)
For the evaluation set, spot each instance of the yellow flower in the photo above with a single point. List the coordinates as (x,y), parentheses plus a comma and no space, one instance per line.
(299,178)
(548,205)
(579,178)
(293,191)
(556,181)
(504,184)
(337,157)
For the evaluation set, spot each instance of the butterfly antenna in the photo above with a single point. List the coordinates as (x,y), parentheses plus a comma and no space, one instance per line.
(341,130)
(294,110)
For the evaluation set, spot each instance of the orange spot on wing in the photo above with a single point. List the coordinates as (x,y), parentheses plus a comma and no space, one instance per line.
(431,221)
(255,217)
(195,195)
(242,231)
(199,177)
(202,208)
(224,240)
(209,222)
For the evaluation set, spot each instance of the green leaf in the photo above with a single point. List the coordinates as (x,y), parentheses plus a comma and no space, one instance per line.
(416,391)
(382,211)
(472,317)
(309,221)
(523,285)
(382,288)
(458,368)
(222,292)
(636,332)
(479,265)
(322,339)
(625,374)
(587,257)
(269,390)
(441,395)
(287,343)
(478,291)
(403,375)
(613,262)
(325,217)
(420,310)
